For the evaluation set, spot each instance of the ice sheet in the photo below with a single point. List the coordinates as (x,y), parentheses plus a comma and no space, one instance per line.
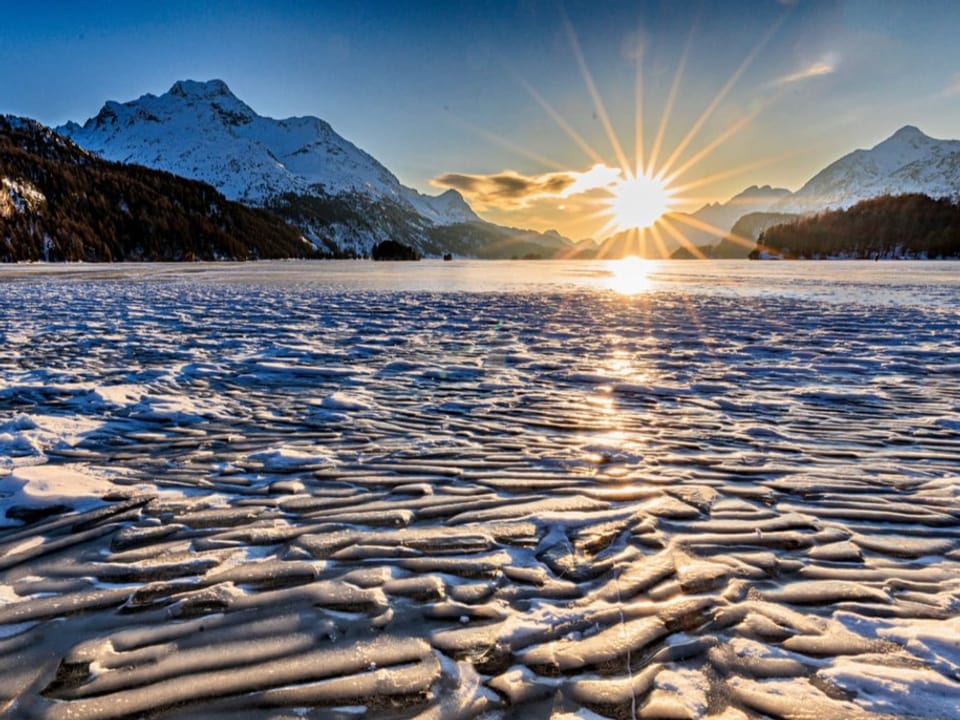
(508,492)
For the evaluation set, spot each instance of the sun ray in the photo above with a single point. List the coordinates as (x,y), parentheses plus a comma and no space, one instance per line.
(638,107)
(636,243)
(700,224)
(561,122)
(507,144)
(595,95)
(718,98)
(713,144)
(713,230)
(587,219)
(602,250)
(609,227)
(671,100)
(724,174)
(683,240)
(663,251)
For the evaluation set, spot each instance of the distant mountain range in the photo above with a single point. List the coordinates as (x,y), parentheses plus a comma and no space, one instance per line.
(711,227)
(342,198)
(908,162)
(336,200)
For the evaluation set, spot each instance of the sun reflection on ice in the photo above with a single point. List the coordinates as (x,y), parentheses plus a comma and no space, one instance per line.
(629,276)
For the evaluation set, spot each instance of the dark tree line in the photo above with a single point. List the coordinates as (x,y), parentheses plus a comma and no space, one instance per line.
(393,250)
(890,226)
(96,211)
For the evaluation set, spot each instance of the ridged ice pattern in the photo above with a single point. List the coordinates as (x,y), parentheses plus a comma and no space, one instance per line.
(286,498)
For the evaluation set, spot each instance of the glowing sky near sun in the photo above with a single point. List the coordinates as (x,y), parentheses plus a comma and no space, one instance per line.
(534,110)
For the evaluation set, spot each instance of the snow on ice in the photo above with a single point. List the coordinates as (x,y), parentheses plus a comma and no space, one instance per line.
(333,490)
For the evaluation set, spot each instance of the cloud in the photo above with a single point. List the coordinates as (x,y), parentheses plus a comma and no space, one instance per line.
(509,190)
(825,66)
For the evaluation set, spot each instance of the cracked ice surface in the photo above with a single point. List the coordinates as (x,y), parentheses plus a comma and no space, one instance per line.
(480,489)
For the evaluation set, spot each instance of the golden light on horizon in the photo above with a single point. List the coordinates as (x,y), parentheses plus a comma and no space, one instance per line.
(629,275)
(638,202)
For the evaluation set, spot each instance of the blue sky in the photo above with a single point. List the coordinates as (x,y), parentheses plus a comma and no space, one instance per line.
(460,88)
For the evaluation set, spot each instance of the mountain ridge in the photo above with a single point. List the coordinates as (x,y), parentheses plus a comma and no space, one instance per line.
(342,198)
(907,162)
(255,157)
(60,202)
(345,201)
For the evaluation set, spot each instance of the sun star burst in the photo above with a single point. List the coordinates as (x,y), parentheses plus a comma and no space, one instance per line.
(638,202)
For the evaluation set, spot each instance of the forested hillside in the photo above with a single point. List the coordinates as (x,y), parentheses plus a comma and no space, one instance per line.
(889,226)
(59,202)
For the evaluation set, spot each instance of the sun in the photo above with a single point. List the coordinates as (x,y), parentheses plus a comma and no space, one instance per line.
(638,202)
(629,275)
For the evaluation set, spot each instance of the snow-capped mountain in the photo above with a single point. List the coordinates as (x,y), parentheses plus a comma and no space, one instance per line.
(907,162)
(60,202)
(202,131)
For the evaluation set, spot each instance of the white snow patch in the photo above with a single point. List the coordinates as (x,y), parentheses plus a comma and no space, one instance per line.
(45,485)
(343,401)
(903,691)
(281,459)
(25,439)
(121,395)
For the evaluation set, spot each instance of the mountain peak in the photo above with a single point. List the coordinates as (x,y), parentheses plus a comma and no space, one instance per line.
(758,192)
(201,130)
(909,136)
(16,122)
(909,132)
(197,89)
(909,161)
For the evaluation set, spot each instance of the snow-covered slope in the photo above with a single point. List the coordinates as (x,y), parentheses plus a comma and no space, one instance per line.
(447,208)
(907,162)
(59,202)
(201,130)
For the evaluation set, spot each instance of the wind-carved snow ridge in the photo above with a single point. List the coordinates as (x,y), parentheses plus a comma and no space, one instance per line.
(260,492)
(201,130)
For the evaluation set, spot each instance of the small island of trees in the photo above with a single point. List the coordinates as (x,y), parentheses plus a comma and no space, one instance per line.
(393,250)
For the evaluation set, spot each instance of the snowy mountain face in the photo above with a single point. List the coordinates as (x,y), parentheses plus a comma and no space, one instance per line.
(59,202)
(907,162)
(202,131)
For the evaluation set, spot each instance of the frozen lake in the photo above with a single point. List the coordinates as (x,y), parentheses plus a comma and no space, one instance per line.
(480,489)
